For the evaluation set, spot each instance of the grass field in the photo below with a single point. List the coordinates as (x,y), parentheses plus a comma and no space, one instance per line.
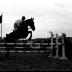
(33,62)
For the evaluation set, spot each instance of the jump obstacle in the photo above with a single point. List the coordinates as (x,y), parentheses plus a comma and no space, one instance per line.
(37,47)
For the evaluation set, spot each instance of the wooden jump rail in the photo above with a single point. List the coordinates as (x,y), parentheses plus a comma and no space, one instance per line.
(30,43)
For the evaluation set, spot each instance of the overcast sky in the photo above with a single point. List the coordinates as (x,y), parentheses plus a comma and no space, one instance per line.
(49,15)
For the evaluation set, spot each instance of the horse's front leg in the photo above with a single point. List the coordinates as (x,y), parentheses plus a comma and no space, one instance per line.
(30,35)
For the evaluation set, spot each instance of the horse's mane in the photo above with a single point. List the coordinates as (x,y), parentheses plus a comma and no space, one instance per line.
(29,20)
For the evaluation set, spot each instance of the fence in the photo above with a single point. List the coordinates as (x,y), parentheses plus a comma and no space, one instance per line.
(57,47)
(29,46)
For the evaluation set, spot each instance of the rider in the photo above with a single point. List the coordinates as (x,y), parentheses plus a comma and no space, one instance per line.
(18,23)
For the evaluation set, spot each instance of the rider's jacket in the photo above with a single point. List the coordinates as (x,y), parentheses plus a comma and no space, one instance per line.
(17,24)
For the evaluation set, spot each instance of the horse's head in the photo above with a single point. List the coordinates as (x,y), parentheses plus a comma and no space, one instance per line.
(31,23)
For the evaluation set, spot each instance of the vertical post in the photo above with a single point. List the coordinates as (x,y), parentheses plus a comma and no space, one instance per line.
(57,47)
(63,50)
(51,44)
(1,30)
(30,42)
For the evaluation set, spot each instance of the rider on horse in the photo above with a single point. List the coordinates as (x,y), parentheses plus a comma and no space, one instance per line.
(18,23)
(21,30)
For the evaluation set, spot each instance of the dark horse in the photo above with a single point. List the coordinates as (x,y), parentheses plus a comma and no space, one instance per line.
(22,31)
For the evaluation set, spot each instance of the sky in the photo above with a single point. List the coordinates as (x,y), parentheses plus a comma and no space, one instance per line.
(49,15)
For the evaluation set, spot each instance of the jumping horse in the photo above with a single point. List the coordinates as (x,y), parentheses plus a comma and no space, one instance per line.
(22,32)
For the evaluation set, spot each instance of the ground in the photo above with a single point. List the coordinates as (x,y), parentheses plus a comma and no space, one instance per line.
(33,62)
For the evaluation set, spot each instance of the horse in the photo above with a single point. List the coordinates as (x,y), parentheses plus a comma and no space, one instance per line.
(22,31)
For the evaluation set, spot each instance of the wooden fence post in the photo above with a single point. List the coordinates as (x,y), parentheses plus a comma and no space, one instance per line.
(57,47)
(63,50)
(51,44)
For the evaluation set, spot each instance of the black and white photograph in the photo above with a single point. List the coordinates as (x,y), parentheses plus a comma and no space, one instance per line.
(35,35)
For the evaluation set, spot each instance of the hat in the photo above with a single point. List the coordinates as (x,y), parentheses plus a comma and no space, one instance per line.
(23,17)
